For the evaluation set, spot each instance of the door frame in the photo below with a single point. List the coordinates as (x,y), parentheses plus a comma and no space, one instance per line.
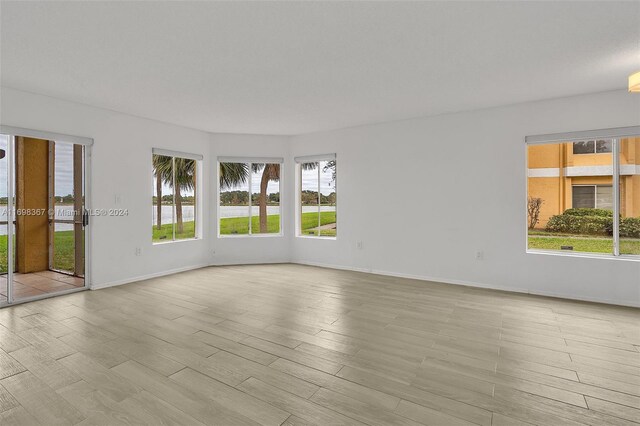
(12,132)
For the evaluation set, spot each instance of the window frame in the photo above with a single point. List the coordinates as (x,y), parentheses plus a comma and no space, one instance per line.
(615,134)
(249,161)
(595,146)
(595,193)
(298,199)
(197,194)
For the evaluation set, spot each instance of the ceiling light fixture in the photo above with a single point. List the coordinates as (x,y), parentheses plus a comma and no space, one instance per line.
(634,82)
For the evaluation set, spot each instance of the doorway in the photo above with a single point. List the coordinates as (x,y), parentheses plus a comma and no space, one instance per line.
(43,215)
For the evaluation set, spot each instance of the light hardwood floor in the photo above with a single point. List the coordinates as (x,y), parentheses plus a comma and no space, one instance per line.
(296,345)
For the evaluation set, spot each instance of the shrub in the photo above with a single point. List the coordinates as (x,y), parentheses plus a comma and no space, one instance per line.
(629,227)
(588,212)
(533,211)
(579,224)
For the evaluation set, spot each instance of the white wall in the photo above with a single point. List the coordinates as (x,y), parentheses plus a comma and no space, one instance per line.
(456,185)
(256,249)
(121,165)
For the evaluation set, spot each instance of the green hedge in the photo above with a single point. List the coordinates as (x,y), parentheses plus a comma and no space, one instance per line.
(570,224)
(592,222)
(629,227)
(588,212)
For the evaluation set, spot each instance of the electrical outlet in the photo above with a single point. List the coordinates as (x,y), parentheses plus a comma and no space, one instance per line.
(479,255)
(138,251)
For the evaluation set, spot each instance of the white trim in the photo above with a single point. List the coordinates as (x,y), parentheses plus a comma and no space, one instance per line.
(259,235)
(575,171)
(543,172)
(249,263)
(314,158)
(298,198)
(250,215)
(629,169)
(41,134)
(179,154)
(586,254)
(618,132)
(625,170)
(255,160)
(88,230)
(44,296)
(11,144)
(616,197)
(197,194)
(622,302)
(148,276)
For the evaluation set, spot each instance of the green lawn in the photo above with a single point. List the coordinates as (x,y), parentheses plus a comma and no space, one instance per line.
(63,258)
(310,220)
(165,233)
(582,244)
(63,253)
(240,225)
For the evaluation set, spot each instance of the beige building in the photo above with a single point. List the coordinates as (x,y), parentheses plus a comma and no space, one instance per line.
(579,175)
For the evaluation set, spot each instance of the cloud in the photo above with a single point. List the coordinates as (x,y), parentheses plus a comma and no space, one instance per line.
(63,176)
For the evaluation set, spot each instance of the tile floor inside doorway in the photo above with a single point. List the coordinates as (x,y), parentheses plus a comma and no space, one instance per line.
(39,283)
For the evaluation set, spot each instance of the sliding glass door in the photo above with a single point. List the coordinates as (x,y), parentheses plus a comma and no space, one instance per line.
(43,224)
(4,220)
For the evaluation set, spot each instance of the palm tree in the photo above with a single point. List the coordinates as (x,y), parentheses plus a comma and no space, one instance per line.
(270,172)
(234,174)
(184,172)
(185,178)
(162,173)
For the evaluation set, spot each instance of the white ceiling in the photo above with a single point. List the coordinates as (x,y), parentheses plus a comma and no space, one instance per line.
(291,68)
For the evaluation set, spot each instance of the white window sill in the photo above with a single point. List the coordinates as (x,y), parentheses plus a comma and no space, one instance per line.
(182,240)
(231,236)
(622,257)
(316,237)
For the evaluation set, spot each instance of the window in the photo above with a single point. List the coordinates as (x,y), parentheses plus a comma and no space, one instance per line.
(175,204)
(317,196)
(592,197)
(249,196)
(600,146)
(584,204)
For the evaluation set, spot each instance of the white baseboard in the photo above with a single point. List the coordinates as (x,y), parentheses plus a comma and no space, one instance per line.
(148,276)
(249,262)
(377,272)
(472,284)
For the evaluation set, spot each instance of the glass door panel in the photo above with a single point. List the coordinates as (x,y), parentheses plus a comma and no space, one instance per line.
(49,224)
(4,217)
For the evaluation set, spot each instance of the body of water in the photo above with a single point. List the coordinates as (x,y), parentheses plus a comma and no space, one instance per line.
(64,212)
(232,211)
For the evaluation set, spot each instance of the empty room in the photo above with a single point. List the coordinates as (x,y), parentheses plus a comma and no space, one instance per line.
(319,213)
